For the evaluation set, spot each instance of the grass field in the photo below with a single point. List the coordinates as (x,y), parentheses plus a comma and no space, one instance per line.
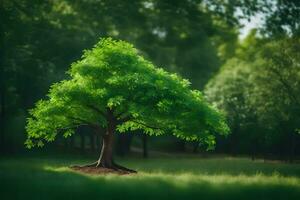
(183,178)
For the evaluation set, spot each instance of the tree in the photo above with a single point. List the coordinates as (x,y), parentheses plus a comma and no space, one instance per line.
(39,40)
(276,88)
(259,92)
(113,87)
(282,18)
(228,91)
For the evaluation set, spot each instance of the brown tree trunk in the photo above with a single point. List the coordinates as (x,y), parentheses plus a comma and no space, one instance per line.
(106,155)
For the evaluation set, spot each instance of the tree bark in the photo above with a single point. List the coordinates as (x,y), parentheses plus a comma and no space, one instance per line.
(106,156)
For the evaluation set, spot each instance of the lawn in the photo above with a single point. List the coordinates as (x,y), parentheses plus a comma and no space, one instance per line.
(183,177)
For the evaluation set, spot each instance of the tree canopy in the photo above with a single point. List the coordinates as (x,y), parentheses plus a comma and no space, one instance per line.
(112,86)
(259,88)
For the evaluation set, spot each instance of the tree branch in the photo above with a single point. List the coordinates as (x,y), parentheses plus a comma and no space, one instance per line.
(125,119)
(94,108)
(148,126)
(83,121)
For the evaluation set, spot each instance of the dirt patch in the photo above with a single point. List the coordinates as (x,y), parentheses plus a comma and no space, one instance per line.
(100,170)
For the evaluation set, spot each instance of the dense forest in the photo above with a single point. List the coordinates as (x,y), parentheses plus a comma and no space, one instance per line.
(254,81)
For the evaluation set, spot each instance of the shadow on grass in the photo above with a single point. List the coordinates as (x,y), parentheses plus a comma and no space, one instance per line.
(214,166)
(33,179)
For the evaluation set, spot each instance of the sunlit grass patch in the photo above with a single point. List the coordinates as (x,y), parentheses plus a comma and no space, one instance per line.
(251,175)
(57,169)
(165,178)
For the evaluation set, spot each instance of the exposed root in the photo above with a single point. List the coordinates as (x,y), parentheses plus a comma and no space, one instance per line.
(94,164)
(119,167)
(100,168)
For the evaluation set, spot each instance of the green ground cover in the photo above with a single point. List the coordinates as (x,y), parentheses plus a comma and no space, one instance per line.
(48,177)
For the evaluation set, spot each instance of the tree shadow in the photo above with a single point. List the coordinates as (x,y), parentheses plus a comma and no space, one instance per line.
(215,166)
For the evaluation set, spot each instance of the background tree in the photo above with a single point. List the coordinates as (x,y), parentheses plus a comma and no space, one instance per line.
(258,90)
(228,91)
(41,38)
(282,18)
(115,88)
(276,89)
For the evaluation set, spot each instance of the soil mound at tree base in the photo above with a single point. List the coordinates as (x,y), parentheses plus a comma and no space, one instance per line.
(100,170)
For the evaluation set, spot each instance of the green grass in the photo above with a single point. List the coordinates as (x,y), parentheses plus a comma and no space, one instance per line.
(192,177)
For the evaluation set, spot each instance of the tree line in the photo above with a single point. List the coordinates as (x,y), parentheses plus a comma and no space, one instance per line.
(196,39)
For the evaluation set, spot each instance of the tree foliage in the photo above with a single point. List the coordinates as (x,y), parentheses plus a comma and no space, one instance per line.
(114,78)
(40,38)
(260,88)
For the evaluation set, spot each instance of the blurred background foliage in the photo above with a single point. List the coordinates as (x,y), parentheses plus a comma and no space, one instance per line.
(254,80)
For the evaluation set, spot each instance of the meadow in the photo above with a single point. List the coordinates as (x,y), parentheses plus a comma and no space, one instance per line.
(175,177)
(218,74)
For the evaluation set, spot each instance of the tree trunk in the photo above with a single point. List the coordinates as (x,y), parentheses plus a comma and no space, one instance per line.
(106,155)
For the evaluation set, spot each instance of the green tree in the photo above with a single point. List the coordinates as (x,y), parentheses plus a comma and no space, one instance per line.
(258,90)
(228,91)
(282,18)
(115,88)
(39,39)
(276,90)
